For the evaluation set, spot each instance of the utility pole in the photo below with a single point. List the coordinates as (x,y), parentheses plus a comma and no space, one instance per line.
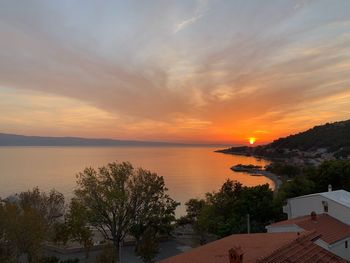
(120,251)
(248,223)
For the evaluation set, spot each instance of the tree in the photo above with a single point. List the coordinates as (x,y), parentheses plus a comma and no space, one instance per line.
(25,231)
(50,207)
(4,253)
(75,227)
(225,212)
(119,199)
(27,223)
(148,245)
(333,172)
(194,208)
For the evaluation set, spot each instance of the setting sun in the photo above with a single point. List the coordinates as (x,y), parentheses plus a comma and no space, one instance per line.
(252,140)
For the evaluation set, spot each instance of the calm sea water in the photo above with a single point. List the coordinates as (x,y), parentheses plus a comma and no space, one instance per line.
(188,171)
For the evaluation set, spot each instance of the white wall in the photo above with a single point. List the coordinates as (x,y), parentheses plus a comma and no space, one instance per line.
(340,250)
(283,229)
(302,206)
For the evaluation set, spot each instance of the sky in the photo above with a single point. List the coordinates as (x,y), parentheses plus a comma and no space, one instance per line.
(170,70)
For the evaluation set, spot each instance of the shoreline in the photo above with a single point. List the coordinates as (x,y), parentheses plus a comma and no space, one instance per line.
(273,177)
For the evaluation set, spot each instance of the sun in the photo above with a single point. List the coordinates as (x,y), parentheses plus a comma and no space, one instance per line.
(252,140)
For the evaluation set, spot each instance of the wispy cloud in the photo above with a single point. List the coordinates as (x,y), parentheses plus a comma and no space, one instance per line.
(251,67)
(183,24)
(201,9)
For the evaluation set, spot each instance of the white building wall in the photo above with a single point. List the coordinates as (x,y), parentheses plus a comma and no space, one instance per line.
(340,249)
(339,211)
(304,205)
(284,229)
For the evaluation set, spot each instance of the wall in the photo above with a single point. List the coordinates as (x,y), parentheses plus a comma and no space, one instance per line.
(302,206)
(283,229)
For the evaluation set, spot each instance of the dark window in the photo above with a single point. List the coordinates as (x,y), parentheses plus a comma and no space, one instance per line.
(346,244)
(325,206)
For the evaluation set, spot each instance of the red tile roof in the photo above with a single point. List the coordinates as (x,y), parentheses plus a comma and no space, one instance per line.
(254,247)
(261,248)
(302,250)
(330,229)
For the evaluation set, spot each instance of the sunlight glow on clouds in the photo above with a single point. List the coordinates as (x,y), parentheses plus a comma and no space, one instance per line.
(215,71)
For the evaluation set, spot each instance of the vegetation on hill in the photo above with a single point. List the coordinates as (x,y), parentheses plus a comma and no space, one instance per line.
(331,138)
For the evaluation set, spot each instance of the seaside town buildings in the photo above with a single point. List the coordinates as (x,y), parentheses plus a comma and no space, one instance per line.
(317,230)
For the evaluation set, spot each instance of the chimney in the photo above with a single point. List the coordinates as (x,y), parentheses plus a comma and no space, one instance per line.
(313,216)
(235,255)
(329,188)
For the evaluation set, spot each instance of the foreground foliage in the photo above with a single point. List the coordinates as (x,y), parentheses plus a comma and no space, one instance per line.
(119,200)
(225,212)
(26,222)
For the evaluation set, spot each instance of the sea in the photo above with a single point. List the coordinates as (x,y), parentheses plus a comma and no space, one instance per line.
(189,172)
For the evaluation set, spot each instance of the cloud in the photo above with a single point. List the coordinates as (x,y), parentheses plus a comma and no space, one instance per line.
(201,9)
(180,26)
(239,67)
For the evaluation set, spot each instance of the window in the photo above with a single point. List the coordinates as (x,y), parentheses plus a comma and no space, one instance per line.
(346,244)
(325,206)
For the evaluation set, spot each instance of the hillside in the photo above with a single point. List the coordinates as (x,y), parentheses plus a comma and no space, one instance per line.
(332,136)
(331,140)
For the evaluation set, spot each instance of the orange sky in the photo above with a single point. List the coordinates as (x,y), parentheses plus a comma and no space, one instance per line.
(184,71)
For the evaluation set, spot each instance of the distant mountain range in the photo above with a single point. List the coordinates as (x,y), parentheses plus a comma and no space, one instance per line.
(21,140)
(331,140)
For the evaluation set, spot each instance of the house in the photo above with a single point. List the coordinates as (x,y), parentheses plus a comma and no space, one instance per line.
(328,214)
(334,235)
(259,248)
(333,203)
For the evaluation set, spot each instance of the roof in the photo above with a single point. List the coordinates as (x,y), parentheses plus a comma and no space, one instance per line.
(254,247)
(330,229)
(302,249)
(339,196)
(261,248)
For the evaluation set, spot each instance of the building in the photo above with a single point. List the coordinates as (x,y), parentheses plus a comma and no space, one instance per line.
(333,203)
(259,248)
(334,235)
(328,214)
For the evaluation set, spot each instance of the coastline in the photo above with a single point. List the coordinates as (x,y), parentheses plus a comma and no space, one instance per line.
(273,177)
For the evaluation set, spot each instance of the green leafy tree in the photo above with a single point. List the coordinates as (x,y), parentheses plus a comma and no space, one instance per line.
(334,172)
(194,208)
(28,222)
(225,211)
(120,200)
(148,245)
(50,206)
(75,227)
(25,231)
(77,220)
